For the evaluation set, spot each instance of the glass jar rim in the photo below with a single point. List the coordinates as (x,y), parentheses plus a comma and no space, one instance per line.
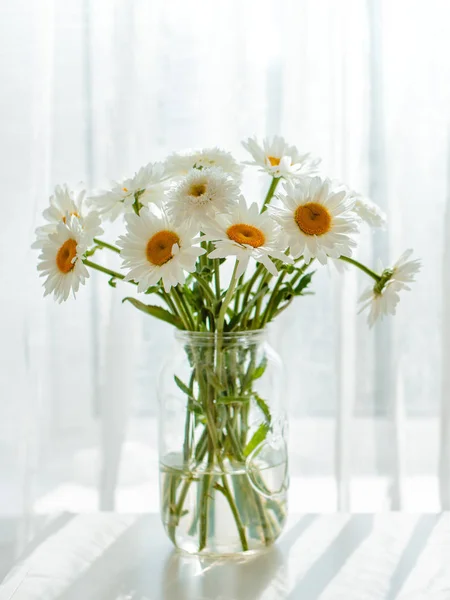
(248,336)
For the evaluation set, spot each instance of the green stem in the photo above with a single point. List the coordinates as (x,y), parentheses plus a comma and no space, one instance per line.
(206,496)
(259,269)
(264,280)
(205,287)
(187,448)
(226,301)
(363,268)
(270,193)
(103,244)
(171,516)
(186,306)
(169,302)
(102,269)
(238,293)
(225,489)
(184,311)
(265,317)
(217,276)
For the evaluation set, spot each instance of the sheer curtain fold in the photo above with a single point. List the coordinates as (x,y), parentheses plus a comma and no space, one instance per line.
(96,89)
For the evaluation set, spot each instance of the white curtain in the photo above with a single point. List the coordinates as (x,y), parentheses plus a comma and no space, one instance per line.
(93,89)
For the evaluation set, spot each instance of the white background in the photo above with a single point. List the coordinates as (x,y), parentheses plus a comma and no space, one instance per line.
(91,90)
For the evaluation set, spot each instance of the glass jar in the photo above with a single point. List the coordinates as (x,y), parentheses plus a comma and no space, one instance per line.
(222,443)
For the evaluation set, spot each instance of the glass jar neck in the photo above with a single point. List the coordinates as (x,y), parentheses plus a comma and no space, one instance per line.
(251,337)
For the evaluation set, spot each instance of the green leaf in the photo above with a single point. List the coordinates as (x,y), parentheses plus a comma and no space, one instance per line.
(156,311)
(303,283)
(263,406)
(259,371)
(288,268)
(183,387)
(112,282)
(232,399)
(196,408)
(258,437)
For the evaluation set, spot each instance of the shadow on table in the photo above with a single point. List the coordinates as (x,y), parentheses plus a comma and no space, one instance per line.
(140,565)
(143,566)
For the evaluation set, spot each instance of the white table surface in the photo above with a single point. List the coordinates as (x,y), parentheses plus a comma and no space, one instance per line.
(328,557)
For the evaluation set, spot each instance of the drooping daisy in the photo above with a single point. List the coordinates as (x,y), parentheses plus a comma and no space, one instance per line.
(66,203)
(382,298)
(145,187)
(380,303)
(154,249)
(61,259)
(369,212)
(201,195)
(245,233)
(318,222)
(279,159)
(181,163)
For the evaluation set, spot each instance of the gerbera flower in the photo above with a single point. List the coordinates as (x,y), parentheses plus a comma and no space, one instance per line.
(245,233)
(279,159)
(66,203)
(154,249)
(181,163)
(318,222)
(145,187)
(61,259)
(201,195)
(383,297)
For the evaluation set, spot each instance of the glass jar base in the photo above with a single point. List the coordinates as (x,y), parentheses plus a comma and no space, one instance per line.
(220,512)
(238,555)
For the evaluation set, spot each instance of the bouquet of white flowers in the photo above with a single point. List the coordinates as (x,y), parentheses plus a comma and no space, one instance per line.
(184,219)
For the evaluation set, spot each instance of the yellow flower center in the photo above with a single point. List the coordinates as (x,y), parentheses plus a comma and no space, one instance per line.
(274,161)
(72,214)
(197,189)
(125,189)
(313,218)
(159,247)
(246,234)
(65,255)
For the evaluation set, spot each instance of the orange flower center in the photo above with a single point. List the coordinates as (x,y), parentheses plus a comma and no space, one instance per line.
(159,247)
(65,255)
(246,234)
(274,161)
(313,218)
(197,189)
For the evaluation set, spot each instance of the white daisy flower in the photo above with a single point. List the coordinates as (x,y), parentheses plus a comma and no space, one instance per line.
(279,159)
(154,249)
(181,163)
(201,195)
(245,233)
(382,298)
(61,259)
(145,187)
(318,222)
(369,212)
(66,203)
